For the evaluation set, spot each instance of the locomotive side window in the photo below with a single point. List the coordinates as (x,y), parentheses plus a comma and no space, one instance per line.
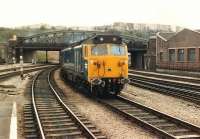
(67,56)
(100,49)
(117,49)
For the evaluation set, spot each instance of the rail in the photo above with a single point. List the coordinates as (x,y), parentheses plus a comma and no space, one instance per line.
(164,125)
(49,100)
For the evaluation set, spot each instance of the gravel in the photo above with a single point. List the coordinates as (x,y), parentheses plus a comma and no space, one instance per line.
(14,89)
(111,124)
(179,108)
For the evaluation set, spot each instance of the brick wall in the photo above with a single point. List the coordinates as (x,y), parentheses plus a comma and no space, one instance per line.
(161,47)
(183,40)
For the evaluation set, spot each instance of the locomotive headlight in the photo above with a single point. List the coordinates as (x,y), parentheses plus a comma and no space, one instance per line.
(91,61)
(126,61)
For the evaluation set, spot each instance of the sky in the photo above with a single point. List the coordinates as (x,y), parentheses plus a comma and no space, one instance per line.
(15,13)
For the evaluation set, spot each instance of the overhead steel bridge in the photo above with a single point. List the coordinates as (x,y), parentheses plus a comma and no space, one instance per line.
(57,40)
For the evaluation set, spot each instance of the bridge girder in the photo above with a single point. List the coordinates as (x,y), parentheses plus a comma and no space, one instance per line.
(65,38)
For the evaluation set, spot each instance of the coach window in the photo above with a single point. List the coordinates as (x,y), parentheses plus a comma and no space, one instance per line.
(172,55)
(191,54)
(180,54)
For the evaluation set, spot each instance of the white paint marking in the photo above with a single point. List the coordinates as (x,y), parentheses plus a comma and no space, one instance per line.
(13,123)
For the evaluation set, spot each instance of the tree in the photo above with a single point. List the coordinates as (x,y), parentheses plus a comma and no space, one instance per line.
(53,28)
(43,27)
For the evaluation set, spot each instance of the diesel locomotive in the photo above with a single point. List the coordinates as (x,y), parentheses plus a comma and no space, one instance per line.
(99,63)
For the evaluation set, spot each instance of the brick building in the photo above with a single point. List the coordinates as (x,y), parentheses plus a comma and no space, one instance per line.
(180,51)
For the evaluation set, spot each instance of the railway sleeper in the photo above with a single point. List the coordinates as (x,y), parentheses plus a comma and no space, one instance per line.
(70,123)
(77,134)
(50,121)
(54,118)
(61,129)
(52,114)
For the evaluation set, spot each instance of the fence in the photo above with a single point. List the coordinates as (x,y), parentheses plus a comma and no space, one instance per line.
(184,66)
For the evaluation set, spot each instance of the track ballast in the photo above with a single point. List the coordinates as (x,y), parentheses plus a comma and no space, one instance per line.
(186,91)
(54,118)
(164,125)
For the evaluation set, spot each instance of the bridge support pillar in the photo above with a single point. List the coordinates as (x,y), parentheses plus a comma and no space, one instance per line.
(11,51)
(12,55)
(46,56)
(137,59)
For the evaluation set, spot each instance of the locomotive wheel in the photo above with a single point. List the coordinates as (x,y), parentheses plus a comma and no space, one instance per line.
(116,93)
(100,91)
(97,91)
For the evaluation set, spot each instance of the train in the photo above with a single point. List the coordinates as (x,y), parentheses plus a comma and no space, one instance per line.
(99,63)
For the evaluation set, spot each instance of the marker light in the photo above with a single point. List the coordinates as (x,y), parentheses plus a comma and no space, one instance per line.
(101,39)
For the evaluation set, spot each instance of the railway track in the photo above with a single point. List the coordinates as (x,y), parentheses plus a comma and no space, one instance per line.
(54,117)
(5,75)
(170,82)
(191,78)
(164,125)
(185,91)
(18,68)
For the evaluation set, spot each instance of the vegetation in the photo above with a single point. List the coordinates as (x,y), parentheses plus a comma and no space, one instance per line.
(7,33)
(41,56)
(52,56)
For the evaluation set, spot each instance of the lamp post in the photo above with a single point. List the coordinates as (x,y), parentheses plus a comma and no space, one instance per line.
(21,67)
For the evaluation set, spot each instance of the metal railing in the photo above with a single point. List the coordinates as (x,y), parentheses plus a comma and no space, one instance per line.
(183,66)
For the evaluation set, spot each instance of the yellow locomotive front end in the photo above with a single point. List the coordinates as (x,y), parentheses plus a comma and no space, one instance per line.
(107,63)
(113,63)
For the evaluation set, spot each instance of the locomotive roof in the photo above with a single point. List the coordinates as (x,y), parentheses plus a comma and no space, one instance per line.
(99,39)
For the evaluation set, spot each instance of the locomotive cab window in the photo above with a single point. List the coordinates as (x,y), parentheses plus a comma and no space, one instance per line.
(117,49)
(100,49)
(110,49)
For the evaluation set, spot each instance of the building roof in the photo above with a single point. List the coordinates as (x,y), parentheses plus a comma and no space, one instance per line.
(166,36)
